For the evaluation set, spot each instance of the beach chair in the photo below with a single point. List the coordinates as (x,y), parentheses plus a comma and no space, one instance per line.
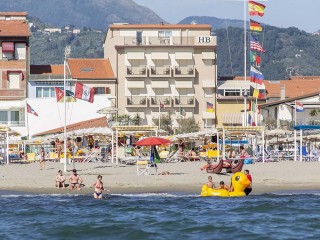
(31,157)
(142,167)
(52,156)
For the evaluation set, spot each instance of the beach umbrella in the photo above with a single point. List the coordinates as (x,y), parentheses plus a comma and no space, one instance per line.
(152,141)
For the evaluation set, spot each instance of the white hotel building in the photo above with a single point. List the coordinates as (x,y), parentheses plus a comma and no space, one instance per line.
(171,64)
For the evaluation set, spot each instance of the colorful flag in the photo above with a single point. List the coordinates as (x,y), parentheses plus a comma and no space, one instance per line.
(60,95)
(84,92)
(161,105)
(255,58)
(256,9)
(31,110)
(261,96)
(256,76)
(210,107)
(254,92)
(252,105)
(255,26)
(255,45)
(299,107)
(182,112)
(249,119)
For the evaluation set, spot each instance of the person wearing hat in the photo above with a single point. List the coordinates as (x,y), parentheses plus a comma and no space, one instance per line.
(75,180)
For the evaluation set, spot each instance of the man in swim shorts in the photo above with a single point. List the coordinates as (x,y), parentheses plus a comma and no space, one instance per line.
(223,186)
(60,180)
(75,180)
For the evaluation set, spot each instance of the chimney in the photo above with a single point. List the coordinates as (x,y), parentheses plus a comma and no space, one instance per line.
(282,92)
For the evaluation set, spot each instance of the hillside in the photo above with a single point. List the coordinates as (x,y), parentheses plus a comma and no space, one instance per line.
(96,14)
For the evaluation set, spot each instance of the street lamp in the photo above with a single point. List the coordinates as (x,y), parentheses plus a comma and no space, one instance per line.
(245,95)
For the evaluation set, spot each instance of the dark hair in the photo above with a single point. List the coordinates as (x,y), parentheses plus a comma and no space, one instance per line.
(99,176)
(222,183)
(74,170)
(246,170)
(59,171)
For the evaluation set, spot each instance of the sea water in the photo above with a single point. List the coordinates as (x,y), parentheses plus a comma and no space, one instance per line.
(159,216)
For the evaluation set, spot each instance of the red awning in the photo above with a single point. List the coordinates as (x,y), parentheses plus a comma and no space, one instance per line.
(7,47)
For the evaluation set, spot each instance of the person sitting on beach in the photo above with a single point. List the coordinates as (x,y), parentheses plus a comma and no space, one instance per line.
(223,186)
(75,180)
(249,188)
(243,152)
(210,183)
(60,180)
(98,187)
(165,173)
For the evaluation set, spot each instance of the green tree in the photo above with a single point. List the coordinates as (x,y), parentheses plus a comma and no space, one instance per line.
(187,125)
(166,122)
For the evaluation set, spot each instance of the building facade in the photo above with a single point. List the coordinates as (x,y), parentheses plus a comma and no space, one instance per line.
(169,65)
(14,67)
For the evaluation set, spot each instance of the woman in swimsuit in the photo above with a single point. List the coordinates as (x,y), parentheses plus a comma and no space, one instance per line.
(98,187)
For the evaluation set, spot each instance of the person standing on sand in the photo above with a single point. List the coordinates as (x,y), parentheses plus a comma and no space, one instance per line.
(248,190)
(42,159)
(75,180)
(60,180)
(98,187)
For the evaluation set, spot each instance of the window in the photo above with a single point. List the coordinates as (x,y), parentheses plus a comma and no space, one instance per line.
(45,92)
(232,92)
(14,116)
(20,51)
(14,80)
(139,38)
(164,34)
(208,92)
(102,90)
(8,50)
(3,117)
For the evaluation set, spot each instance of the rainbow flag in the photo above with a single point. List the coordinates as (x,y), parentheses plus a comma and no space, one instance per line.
(256,76)
(255,26)
(210,107)
(256,9)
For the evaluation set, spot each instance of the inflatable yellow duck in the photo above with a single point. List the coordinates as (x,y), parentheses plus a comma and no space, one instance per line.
(239,182)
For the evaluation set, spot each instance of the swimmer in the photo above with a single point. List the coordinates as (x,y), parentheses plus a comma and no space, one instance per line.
(210,184)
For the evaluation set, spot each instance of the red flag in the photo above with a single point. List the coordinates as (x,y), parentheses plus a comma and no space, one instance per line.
(84,92)
(59,94)
(31,110)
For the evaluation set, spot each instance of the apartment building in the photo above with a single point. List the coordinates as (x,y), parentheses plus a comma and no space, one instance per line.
(14,66)
(171,65)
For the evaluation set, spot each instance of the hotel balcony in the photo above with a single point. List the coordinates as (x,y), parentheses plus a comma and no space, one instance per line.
(170,41)
(13,123)
(137,101)
(140,71)
(184,101)
(188,71)
(164,71)
(156,100)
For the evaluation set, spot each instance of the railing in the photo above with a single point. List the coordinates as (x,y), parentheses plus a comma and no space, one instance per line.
(164,71)
(156,100)
(189,41)
(13,123)
(308,121)
(184,101)
(140,71)
(137,101)
(188,71)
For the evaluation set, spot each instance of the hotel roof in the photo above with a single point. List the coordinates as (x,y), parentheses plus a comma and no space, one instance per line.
(16,14)
(96,68)
(14,28)
(160,26)
(46,69)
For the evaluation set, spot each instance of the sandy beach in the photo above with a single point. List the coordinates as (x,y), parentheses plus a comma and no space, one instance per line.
(185,177)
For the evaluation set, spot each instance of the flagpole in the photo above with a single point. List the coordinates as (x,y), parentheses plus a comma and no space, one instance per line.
(27,120)
(66,55)
(159,115)
(295,113)
(244,38)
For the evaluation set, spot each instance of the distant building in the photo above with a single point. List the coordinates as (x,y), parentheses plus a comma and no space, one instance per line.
(76,31)
(52,30)
(173,65)
(14,67)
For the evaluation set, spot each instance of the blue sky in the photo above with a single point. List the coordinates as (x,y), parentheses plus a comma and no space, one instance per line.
(303,14)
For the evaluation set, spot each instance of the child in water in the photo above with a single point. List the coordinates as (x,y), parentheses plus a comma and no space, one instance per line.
(98,187)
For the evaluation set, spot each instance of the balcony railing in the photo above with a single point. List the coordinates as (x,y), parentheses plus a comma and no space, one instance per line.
(173,41)
(184,101)
(13,123)
(156,100)
(137,101)
(308,121)
(188,71)
(140,71)
(164,71)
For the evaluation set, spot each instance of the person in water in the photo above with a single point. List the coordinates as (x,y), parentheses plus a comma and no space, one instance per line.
(98,187)
(75,180)
(223,186)
(60,180)
(210,183)
(248,190)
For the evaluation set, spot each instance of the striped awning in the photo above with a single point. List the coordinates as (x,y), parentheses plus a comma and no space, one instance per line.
(135,128)
(244,128)
(232,118)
